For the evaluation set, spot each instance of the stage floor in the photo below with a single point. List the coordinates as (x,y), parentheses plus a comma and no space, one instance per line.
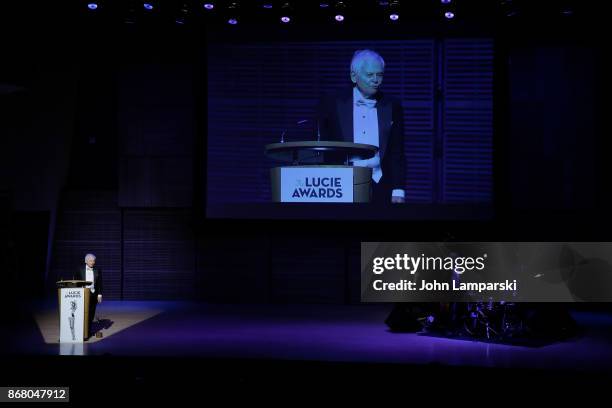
(328,333)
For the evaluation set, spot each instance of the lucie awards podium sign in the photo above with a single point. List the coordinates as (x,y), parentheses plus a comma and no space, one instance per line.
(320,172)
(316,185)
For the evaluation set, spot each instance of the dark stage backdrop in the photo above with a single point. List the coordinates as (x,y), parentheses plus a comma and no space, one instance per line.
(255,91)
(129,105)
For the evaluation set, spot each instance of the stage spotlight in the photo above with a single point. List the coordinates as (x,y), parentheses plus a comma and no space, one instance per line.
(394,10)
(339,13)
(132,11)
(565,7)
(209,6)
(233,10)
(508,8)
(147,6)
(448,11)
(323,5)
(92,6)
(181,16)
(286,13)
(268,6)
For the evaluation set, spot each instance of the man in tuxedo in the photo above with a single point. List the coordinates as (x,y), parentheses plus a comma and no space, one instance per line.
(363,114)
(89,272)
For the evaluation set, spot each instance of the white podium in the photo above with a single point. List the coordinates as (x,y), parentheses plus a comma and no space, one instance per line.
(73,311)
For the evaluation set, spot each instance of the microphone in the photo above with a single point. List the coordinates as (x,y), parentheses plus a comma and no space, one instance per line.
(298,123)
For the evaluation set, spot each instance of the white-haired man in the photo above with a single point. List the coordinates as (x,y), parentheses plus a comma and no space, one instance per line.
(362,114)
(93,274)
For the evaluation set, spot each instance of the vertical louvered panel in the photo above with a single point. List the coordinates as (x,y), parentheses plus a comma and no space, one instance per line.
(308,271)
(158,254)
(467,127)
(155,123)
(417,94)
(89,222)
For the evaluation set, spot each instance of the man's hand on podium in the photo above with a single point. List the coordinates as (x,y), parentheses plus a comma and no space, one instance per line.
(99,298)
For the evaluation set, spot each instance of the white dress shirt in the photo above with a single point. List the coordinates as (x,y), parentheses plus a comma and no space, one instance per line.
(89,276)
(365,130)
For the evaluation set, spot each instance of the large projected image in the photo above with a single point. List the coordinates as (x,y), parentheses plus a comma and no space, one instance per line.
(350,126)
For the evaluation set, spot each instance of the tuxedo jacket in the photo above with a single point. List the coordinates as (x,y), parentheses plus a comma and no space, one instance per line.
(335,122)
(98,284)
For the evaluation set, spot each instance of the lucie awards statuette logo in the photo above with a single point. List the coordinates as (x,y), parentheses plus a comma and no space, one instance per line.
(73,308)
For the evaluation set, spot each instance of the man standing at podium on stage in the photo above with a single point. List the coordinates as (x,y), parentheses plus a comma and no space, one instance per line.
(362,114)
(89,272)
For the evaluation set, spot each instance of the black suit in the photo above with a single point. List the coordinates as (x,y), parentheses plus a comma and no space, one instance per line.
(93,299)
(335,121)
